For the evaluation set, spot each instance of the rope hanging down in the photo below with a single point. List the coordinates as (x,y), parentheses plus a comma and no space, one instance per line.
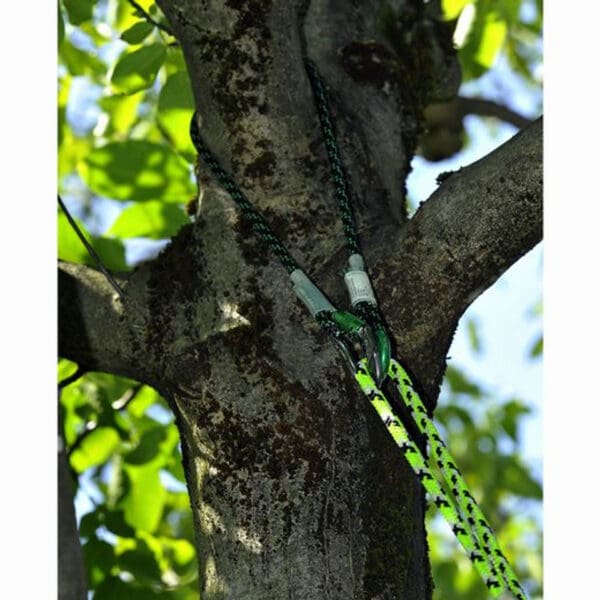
(365,326)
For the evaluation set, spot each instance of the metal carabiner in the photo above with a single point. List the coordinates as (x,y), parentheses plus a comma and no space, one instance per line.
(361,335)
(352,330)
(360,291)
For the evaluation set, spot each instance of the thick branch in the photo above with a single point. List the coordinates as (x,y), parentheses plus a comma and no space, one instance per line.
(96,328)
(479,222)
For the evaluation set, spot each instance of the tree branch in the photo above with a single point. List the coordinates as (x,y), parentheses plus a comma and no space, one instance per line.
(96,328)
(480,221)
(72,583)
(142,13)
(489,108)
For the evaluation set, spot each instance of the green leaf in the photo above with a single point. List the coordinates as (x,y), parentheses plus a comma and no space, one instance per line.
(71,249)
(112,253)
(137,70)
(452,414)
(122,112)
(537,348)
(137,170)
(176,93)
(175,109)
(511,413)
(175,467)
(143,399)
(492,38)
(95,449)
(96,30)
(175,62)
(148,447)
(125,15)
(179,552)
(137,33)
(452,8)
(518,480)
(144,501)
(115,522)
(142,563)
(99,560)
(459,384)
(61,26)
(81,63)
(113,588)
(66,368)
(79,11)
(474,338)
(90,522)
(152,219)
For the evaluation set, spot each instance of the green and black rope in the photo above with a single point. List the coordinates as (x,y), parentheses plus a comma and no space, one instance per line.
(256,220)
(338,175)
(367,311)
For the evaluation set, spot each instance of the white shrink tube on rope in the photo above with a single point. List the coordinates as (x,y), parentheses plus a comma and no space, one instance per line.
(358,282)
(309,293)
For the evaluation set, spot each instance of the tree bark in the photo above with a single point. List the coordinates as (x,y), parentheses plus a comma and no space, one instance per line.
(296,488)
(72,583)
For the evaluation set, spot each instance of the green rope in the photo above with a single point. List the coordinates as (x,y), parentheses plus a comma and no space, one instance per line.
(256,220)
(444,461)
(465,518)
(368,311)
(340,181)
(476,538)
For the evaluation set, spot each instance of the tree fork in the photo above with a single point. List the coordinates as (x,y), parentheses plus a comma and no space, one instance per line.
(295,487)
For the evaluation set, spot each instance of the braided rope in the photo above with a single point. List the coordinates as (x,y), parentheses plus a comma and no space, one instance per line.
(338,175)
(411,452)
(256,220)
(442,458)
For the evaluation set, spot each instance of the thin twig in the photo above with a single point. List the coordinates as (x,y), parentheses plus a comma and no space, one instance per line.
(148,18)
(119,404)
(63,383)
(490,108)
(127,397)
(91,251)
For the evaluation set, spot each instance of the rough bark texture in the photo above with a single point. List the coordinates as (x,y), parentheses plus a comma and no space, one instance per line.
(72,584)
(296,488)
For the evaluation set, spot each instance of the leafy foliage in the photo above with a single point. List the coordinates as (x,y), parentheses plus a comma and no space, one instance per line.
(489,28)
(124,451)
(129,143)
(124,107)
(482,433)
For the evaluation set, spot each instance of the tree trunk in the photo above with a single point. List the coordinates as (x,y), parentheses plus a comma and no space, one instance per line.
(296,488)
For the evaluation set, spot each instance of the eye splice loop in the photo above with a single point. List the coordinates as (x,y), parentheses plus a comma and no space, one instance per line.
(352,335)
(363,301)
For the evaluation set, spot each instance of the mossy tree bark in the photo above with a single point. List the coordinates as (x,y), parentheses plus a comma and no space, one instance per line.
(296,488)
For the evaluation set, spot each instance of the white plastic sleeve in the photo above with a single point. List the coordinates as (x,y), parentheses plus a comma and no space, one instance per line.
(309,293)
(359,287)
